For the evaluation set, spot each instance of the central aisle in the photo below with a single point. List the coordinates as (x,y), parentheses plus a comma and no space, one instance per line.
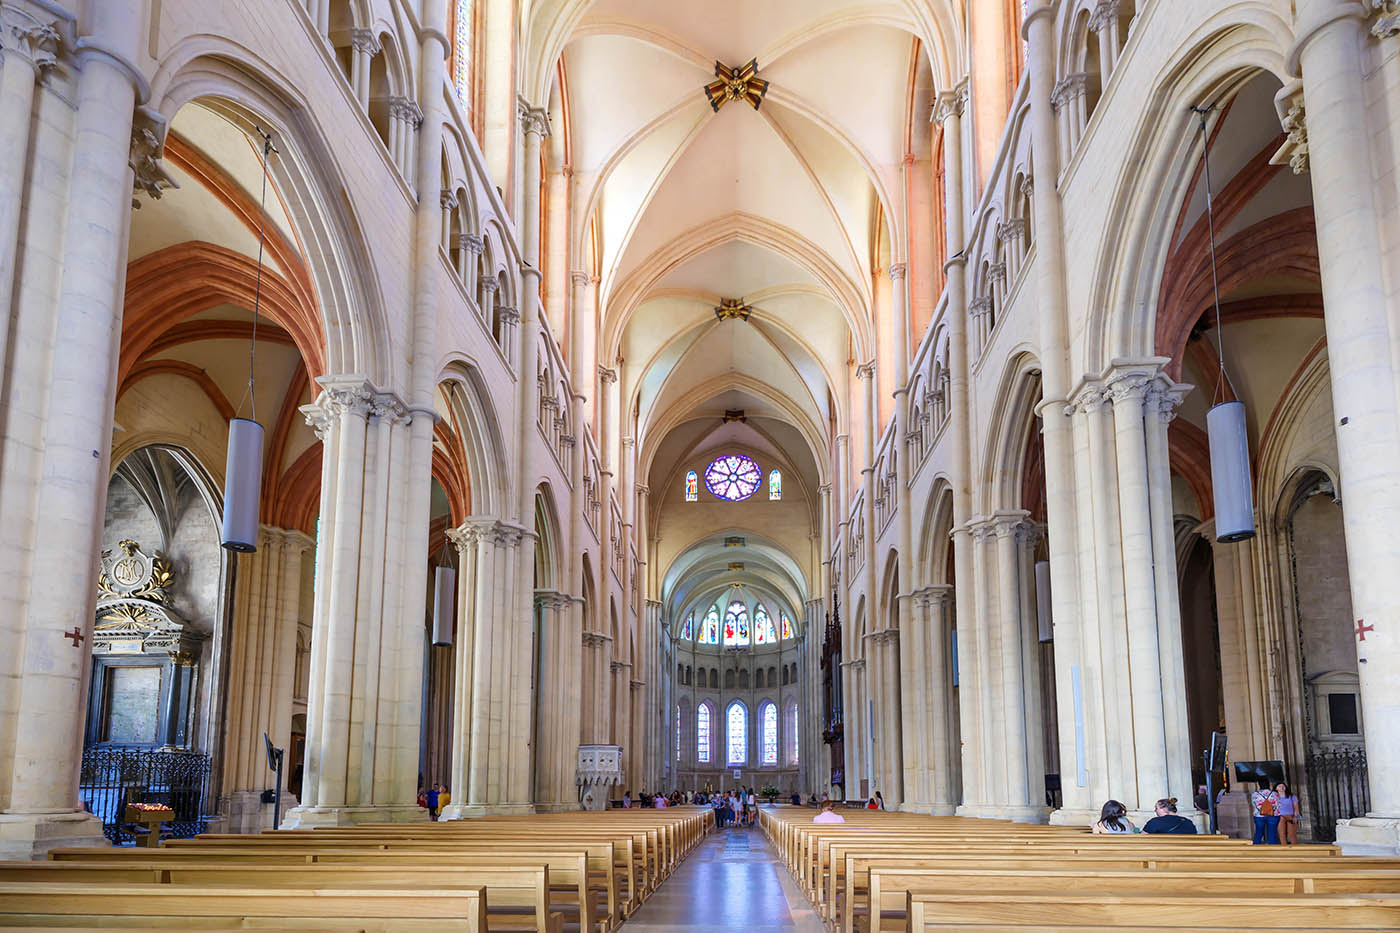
(732,881)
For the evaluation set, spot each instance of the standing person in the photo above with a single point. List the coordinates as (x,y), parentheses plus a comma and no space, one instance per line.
(433,793)
(1287,810)
(751,807)
(1113,820)
(828,813)
(1167,821)
(1263,803)
(627,800)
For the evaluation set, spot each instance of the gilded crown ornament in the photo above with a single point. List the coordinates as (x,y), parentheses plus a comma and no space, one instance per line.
(733,308)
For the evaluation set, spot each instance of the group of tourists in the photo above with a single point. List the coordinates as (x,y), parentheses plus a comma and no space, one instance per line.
(434,799)
(739,807)
(1275,812)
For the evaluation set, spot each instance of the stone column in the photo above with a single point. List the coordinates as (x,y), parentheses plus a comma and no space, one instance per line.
(1008,527)
(983,663)
(30,50)
(1104,22)
(1068,99)
(41,715)
(938,699)
(364,46)
(365,695)
(263,658)
(1359,310)
(404,120)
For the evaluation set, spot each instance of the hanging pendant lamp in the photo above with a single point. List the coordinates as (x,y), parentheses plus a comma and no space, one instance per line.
(444,601)
(1226,427)
(243,469)
(1044,625)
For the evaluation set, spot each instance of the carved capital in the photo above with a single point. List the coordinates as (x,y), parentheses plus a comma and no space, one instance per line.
(403,108)
(980,306)
(364,40)
(866,370)
(996,273)
(532,119)
(148,129)
(1013,229)
(1294,120)
(448,199)
(1104,15)
(1165,398)
(1026,187)
(474,244)
(38,43)
(508,315)
(897,271)
(949,104)
(489,285)
(1068,89)
(579,279)
(1089,398)
(1130,387)
(1387,21)
(607,376)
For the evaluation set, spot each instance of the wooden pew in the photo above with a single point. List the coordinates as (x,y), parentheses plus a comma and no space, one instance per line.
(143,906)
(891,886)
(569,872)
(1196,912)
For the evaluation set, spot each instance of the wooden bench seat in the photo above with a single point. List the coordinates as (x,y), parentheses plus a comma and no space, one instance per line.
(153,906)
(575,889)
(890,886)
(1197,912)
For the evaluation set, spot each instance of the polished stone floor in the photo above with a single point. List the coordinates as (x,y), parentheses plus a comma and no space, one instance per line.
(733,881)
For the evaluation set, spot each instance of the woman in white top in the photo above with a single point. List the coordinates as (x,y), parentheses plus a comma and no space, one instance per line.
(1113,820)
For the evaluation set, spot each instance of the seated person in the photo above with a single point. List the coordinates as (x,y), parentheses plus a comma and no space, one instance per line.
(828,813)
(1167,820)
(1113,819)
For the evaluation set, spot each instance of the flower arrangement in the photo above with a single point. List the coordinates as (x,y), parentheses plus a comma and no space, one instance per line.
(770,792)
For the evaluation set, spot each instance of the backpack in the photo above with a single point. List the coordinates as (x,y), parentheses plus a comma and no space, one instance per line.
(1266,804)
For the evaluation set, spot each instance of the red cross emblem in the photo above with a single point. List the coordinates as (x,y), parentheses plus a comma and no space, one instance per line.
(1362,628)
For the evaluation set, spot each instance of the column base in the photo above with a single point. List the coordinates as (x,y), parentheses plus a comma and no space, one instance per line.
(1369,835)
(244,811)
(467,811)
(27,836)
(977,811)
(311,817)
(1065,817)
(1020,814)
(943,809)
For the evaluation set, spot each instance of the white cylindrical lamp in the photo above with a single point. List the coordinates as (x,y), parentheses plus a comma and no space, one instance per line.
(1230,482)
(444,605)
(1042,601)
(242,485)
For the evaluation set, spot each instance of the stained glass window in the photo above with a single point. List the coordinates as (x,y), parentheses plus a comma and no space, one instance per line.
(702,733)
(709,629)
(775,485)
(737,734)
(736,624)
(792,737)
(734,477)
(763,631)
(462,57)
(787,626)
(688,629)
(678,733)
(768,716)
(692,487)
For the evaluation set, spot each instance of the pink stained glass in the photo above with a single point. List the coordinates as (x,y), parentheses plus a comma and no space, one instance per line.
(787,627)
(793,741)
(733,477)
(769,719)
(692,487)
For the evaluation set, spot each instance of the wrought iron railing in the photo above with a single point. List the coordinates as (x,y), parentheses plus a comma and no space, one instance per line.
(1340,789)
(115,775)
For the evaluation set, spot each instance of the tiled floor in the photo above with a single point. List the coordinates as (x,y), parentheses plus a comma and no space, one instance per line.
(733,881)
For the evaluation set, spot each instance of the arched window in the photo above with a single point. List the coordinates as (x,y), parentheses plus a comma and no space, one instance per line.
(688,629)
(464,21)
(768,719)
(792,733)
(763,631)
(775,485)
(709,629)
(736,624)
(678,733)
(702,733)
(787,626)
(737,734)
(692,487)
